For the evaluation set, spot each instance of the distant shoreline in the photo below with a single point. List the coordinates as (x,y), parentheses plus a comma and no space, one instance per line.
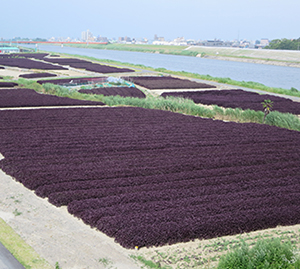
(255,61)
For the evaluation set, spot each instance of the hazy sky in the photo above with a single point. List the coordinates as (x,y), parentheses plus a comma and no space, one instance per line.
(192,19)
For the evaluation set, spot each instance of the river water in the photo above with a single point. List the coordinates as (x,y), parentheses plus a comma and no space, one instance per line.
(269,75)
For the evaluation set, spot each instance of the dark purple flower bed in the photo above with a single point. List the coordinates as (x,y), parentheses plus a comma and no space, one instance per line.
(37,75)
(238,98)
(65,81)
(25,55)
(8,84)
(121,91)
(29,64)
(152,83)
(89,66)
(150,177)
(30,98)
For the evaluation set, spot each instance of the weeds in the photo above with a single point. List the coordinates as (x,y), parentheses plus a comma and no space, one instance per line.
(267,253)
(17,213)
(105,262)
(149,264)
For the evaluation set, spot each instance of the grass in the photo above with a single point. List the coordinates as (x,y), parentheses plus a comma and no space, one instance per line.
(267,253)
(164,49)
(173,104)
(147,263)
(24,253)
(105,262)
(208,254)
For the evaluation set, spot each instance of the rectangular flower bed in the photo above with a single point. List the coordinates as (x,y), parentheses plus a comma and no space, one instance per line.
(150,177)
(154,83)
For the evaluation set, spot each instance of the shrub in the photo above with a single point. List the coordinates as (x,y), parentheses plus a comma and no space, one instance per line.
(283,120)
(268,253)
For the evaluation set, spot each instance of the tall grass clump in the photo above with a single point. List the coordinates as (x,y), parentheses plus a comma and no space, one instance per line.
(283,120)
(56,89)
(173,104)
(30,84)
(265,254)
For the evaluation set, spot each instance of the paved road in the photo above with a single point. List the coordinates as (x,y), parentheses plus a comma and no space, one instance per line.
(7,260)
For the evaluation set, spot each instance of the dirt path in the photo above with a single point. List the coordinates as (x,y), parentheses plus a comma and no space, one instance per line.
(55,234)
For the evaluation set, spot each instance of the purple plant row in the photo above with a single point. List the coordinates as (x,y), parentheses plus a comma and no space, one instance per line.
(83,80)
(152,83)
(37,75)
(238,99)
(25,55)
(150,177)
(29,64)
(30,98)
(23,61)
(7,85)
(89,66)
(121,91)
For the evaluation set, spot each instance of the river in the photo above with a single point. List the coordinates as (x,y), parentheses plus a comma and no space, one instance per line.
(269,75)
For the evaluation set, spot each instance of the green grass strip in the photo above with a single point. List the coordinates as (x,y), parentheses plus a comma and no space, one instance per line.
(24,253)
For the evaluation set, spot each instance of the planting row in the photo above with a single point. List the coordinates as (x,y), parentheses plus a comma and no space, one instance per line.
(238,99)
(37,75)
(152,83)
(89,66)
(25,55)
(75,81)
(22,60)
(8,84)
(29,64)
(121,91)
(30,98)
(150,177)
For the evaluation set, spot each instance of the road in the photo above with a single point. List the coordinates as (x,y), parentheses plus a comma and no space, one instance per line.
(7,260)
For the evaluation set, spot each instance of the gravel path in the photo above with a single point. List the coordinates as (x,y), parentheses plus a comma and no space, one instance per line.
(55,234)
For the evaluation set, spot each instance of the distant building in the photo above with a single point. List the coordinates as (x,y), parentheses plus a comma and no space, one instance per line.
(87,36)
(125,39)
(216,43)
(159,38)
(102,39)
(264,42)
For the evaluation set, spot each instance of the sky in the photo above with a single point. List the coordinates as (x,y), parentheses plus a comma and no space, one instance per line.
(191,19)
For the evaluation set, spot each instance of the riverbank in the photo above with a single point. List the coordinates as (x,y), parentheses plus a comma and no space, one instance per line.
(255,61)
(289,58)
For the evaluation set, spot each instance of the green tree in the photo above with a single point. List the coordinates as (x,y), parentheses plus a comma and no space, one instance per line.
(267,106)
(284,44)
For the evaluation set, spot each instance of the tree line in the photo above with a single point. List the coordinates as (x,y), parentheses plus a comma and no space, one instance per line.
(284,44)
